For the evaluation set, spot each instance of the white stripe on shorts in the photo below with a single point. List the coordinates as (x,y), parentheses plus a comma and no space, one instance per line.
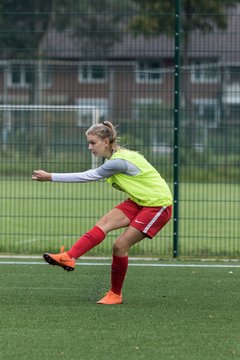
(158,214)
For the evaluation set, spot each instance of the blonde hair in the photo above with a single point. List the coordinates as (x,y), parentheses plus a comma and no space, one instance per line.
(105,130)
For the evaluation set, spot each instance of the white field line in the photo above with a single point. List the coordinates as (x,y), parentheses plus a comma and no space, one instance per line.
(130,264)
(40,257)
(131,258)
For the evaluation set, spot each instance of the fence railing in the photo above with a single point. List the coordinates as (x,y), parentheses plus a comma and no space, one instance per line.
(175,98)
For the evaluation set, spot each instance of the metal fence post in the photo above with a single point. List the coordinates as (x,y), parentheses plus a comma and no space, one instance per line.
(176,129)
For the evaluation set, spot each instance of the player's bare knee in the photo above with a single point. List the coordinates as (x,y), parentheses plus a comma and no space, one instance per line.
(119,249)
(104,224)
(115,248)
(103,221)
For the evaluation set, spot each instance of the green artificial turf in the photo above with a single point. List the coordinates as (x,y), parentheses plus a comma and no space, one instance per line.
(182,313)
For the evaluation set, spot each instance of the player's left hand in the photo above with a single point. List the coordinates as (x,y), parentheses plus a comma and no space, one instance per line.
(41,175)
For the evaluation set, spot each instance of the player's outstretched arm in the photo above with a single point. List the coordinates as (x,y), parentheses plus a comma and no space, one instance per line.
(41,175)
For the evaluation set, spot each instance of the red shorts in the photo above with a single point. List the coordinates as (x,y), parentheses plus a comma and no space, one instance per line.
(148,220)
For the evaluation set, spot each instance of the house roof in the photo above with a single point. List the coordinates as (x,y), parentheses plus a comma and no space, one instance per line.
(223,45)
(62,45)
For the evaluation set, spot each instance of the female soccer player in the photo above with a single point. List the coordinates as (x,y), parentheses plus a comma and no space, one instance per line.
(147,209)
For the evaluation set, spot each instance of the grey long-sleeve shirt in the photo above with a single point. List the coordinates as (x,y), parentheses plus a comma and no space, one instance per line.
(108,169)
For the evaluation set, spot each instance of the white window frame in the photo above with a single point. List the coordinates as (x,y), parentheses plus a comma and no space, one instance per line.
(90,78)
(144,71)
(199,74)
(23,72)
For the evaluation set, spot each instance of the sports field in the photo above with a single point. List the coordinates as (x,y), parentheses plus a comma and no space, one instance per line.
(170,311)
(38,217)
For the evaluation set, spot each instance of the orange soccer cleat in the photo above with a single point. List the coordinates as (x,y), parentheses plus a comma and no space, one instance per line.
(62,259)
(111,299)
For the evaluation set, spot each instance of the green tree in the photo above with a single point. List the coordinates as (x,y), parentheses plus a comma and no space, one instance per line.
(24,23)
(158,16)
(98,24)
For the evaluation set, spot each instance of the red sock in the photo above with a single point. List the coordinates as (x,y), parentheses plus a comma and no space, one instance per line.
(119,269)
(92,238)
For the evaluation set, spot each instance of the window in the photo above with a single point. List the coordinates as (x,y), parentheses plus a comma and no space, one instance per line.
(22,75)
(92,73)
(148,72)
(205,74)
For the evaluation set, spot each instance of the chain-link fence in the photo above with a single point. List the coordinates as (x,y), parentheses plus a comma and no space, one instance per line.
(170,80)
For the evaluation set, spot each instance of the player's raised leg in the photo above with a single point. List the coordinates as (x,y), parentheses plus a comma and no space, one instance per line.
(114,219)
